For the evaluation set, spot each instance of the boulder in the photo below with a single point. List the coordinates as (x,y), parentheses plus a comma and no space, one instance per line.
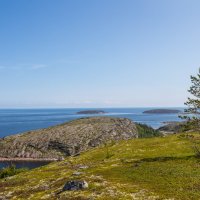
(75,185)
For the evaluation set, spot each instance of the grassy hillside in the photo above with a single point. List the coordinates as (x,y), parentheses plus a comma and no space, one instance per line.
(145,168)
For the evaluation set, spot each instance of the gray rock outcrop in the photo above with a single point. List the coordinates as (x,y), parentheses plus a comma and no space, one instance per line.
(67,139)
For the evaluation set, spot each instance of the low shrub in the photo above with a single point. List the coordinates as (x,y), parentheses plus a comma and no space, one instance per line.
(11,171)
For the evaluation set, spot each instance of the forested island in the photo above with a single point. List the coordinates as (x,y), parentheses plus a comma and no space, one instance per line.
(162,111)
(91,112)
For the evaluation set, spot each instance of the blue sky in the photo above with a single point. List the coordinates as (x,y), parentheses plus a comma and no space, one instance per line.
(97,53)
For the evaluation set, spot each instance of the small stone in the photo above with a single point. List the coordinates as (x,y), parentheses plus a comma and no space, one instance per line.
(77,173)
(82,166)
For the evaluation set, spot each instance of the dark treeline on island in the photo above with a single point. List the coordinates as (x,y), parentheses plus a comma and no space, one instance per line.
(162,111)
(91,112)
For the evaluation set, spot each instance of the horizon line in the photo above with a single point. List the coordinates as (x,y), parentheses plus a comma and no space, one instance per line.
(2,108)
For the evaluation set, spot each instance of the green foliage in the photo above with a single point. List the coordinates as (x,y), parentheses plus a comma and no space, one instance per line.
(193,111)
(196,149)
(189,125)
(145,131)
(195,145)
(10,171)
(107,149)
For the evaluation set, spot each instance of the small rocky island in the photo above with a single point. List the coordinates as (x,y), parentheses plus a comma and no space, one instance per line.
(91,112)
(162,111)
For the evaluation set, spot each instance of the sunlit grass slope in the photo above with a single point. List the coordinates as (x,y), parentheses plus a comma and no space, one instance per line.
(153,168)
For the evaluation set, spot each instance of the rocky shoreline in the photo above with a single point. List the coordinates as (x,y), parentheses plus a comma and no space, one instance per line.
(28,159)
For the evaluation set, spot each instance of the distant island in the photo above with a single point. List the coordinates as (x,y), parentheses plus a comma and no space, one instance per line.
(91,112)
(162,111)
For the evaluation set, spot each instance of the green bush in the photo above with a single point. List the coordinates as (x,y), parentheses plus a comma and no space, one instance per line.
(145,131)
(11,171)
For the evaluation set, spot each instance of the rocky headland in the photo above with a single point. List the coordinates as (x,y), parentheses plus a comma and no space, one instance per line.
(67,139)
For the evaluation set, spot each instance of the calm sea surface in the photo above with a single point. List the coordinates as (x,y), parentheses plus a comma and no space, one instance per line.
(14,121)
(24,164)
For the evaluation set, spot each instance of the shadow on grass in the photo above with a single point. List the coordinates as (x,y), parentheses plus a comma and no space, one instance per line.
(164,159)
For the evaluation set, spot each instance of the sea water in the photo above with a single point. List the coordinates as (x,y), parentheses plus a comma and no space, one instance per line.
(13,121)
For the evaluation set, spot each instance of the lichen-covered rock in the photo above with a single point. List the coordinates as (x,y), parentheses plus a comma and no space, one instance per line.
(67,139)
(75,185)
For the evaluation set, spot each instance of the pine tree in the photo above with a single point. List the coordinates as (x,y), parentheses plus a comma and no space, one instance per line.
(193,103)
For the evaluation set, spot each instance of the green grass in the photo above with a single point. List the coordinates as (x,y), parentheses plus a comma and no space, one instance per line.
(146,168)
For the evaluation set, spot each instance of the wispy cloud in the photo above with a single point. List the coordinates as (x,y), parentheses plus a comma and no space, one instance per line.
(38,66)
(24,67)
